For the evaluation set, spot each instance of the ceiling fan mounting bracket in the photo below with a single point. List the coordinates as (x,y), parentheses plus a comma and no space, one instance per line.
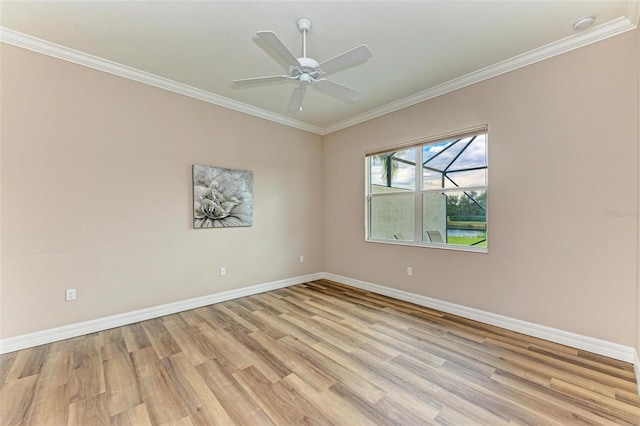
(304,24)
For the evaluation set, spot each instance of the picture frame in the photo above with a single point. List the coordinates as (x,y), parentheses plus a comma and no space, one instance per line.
(222,198)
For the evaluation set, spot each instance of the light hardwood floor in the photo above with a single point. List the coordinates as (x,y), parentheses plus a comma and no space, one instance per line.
(315,353)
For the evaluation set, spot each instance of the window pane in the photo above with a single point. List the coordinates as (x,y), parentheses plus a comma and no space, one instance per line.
(393,171)
(431,179)
(475,155)
(466,179)
(434,217)
(392,217)
(441,154)
(433,149)
(455,163)
(456,217)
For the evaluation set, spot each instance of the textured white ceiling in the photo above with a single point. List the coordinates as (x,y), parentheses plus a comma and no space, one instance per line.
(417,45)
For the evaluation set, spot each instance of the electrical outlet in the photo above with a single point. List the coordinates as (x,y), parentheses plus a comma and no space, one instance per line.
(301,259)
(409,271)
(223,271)
(70,294)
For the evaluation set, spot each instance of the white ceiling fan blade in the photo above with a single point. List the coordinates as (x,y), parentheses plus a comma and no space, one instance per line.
(346,59)
(260,80)
(338,90)
(272,40)
(297,98)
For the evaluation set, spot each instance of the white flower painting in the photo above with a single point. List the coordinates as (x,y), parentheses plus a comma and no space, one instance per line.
(222,197)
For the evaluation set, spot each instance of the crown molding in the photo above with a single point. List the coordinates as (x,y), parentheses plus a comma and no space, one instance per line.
(60,52)
(601,32)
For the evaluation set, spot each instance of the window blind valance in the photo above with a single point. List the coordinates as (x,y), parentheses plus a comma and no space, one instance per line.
(460,134)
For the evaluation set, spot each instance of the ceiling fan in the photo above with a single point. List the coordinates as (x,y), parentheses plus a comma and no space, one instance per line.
(306,71)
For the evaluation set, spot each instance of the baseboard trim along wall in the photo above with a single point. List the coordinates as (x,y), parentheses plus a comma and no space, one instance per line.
(73,330)
(636,370)
(601,347)
(590,344)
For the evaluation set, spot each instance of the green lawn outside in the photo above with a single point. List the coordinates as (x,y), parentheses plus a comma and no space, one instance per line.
(476,226)
(466,241)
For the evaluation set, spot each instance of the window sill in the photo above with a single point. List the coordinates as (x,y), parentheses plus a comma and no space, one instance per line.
(430,245)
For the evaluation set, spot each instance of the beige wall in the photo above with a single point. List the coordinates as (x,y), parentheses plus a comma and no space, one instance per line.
(96,195)
(563,141)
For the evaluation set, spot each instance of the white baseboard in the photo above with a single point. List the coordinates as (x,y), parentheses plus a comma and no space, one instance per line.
(636,370)
(73,330)
(590,344)
(601,347)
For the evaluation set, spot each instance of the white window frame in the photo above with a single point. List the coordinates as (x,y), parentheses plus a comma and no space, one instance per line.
(418,192)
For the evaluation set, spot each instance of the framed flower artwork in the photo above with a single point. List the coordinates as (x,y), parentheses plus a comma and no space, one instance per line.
(222,197)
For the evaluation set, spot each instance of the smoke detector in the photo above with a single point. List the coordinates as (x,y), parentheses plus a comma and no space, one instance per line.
(583,23)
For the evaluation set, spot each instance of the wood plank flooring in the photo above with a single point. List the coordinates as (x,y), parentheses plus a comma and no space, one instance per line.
(317,353)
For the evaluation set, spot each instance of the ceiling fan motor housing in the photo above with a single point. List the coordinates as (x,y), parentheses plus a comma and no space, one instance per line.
(308,67)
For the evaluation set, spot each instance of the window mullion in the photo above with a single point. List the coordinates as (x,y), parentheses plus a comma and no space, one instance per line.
(417,232)
(367,197)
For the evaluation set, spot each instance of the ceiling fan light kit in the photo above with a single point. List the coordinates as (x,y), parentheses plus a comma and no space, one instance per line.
(305,71)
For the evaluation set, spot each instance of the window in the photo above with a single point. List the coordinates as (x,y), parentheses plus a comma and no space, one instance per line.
(441,203)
